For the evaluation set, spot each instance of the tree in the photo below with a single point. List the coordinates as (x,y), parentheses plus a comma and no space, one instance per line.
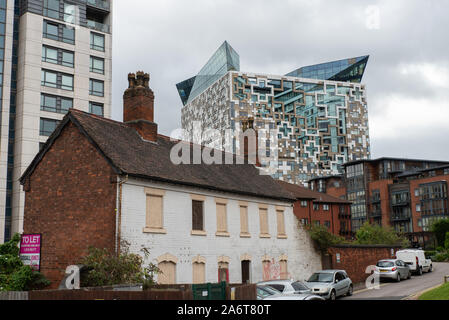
(14,275)
(323,238)
(440,228)
(375,234)
(104,267)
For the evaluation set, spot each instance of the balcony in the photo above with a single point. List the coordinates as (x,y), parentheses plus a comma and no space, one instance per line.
(400,202)
(99,4)
(98,26)
(400,218)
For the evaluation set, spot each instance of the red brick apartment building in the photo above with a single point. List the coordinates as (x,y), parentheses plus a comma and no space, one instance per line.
(315,208)
(405,194)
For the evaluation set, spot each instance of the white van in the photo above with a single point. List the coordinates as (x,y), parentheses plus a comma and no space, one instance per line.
(416,260)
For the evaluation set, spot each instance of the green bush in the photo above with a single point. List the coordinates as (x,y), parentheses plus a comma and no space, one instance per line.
(446,242)
(14,275)
(323,238)
(441,257)
(375,234)
(440,228)
(104,267)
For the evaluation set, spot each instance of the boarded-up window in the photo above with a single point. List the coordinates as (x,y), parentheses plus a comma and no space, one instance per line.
(266,270)
(222,224)
(168,273)
(244,220)
(197,215)
(283,264)
(199,273)
(280,222)
(154,211)
(263,213)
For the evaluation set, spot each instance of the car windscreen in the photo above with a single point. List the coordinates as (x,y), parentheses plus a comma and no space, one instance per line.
(321,277)
(298,286)
(269,289)
(385,264)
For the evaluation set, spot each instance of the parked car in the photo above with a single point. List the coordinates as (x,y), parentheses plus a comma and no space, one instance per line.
(393,269)
(416,260)
(265,292)
(287,286)
(331,284)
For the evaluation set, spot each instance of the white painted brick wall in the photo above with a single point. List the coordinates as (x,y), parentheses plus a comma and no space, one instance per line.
(303,260)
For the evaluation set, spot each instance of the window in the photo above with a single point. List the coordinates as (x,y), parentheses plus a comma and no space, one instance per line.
(49,79)
(197,215)
(222,223)
(416,192)
(97,41)
(280,223)
(69,13)
(327,224)
(244,231)
(58,80)
(59,32)
(154,221)
(304,204)
(51,8)
(199,270)
(58,56)
(317,223)
(97,65)
(96,108)
(316,207)
(49,54)
(263,218)
(446,171)
(418,207)
(325,207)
(283,264)
(96,88)
(304,222)
(223,269)
(47,126)
(56,104)
(432,173)
(168,273)
(51,30)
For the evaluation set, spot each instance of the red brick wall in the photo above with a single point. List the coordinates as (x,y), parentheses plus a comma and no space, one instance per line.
(355,259)
(71,201)
(321,215)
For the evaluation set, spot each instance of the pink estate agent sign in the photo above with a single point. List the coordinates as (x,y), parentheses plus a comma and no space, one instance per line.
(30,250)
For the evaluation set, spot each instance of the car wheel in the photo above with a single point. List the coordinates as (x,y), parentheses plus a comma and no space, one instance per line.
(333,295)
(420,271)
(350,290)
(431,268)
(398,278)
(409,275)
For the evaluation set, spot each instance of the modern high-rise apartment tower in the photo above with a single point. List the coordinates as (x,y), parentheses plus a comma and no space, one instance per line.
(54,55)
(309,122)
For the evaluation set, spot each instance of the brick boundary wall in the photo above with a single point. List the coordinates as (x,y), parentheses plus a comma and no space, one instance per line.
(355,259)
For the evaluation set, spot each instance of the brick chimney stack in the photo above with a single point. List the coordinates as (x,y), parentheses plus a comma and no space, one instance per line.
(138,106)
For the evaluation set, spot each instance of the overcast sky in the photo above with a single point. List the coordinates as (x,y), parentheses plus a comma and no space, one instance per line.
(407,77)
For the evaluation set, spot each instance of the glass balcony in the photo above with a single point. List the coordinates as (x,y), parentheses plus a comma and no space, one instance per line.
(100,4)
(98,26)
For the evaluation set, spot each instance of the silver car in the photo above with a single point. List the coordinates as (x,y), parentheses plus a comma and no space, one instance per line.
(393,269)
(330,284)
(265,292)
(287,286)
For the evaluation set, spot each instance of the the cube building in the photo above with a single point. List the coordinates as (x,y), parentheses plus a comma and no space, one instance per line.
(309,122)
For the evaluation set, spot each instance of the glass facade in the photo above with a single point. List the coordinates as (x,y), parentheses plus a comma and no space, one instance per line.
(223,60)
(347,70)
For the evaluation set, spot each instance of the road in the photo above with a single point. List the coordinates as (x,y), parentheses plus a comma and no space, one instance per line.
(405,288)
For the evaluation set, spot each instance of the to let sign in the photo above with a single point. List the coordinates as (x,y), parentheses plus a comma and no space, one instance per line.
(30,250)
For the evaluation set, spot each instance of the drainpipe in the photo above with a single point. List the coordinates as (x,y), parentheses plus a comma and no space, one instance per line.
(119,212)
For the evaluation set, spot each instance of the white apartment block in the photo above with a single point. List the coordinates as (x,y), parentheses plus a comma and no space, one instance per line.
(57,55)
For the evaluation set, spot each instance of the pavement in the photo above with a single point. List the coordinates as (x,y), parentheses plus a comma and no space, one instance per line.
(404,290)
